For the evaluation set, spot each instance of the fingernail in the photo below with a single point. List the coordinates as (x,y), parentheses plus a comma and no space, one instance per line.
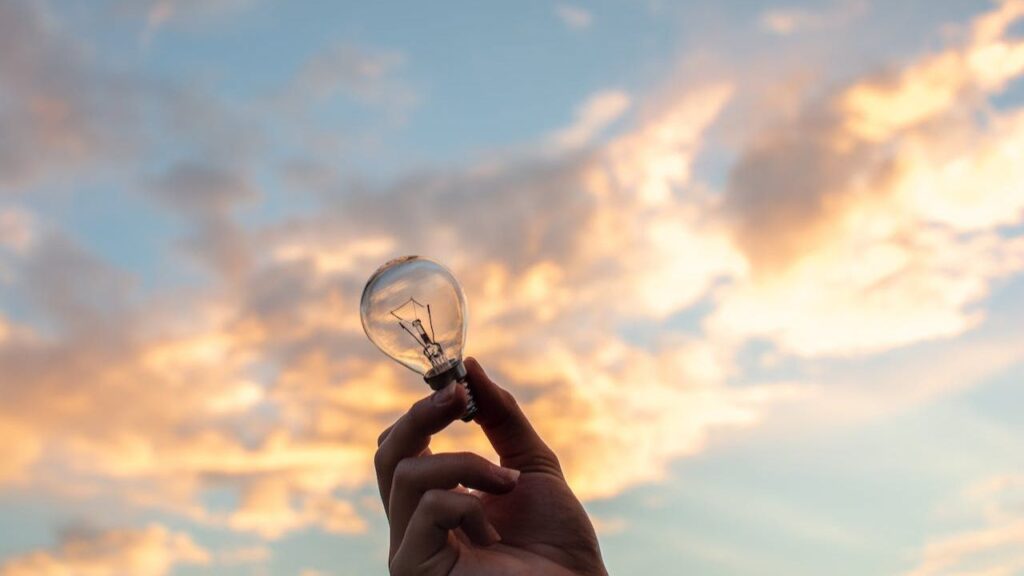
(507,474)
(492,533)
(445,395)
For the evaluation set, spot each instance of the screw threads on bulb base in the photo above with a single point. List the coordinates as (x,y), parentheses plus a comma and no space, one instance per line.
(470,412)
(456,371)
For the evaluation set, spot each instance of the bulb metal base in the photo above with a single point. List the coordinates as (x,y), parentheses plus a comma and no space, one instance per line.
(455,372)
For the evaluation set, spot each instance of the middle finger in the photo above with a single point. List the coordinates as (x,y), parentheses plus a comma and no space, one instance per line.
(415,476)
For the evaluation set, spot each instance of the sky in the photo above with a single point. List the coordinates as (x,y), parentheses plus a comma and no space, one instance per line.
(754,269)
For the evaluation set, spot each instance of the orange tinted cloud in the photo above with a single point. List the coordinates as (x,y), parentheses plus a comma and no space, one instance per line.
(150,551)
(617,415)
(873,221)
(848,231)
(298,311)
(939,83)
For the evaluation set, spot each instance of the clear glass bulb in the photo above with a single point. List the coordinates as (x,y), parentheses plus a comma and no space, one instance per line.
(413,309)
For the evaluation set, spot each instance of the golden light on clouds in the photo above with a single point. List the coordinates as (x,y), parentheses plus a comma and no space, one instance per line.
(614,286)
(620,414)
(151,551)
(939,83)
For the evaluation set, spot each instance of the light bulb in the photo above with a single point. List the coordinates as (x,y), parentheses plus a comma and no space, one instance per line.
(413,309)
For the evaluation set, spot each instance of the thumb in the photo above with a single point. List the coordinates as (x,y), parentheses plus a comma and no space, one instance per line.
(510,433)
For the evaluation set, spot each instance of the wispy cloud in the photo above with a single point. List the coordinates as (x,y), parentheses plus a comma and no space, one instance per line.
(158,14)
(16,229)
(793,20)
(573,16)
(880,215)
(994,548)
(347,69)
(150,551)
(593,116)
(860,215)
(57,110)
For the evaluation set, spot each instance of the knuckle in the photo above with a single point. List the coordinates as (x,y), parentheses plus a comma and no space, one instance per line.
(453,463)
(420,409)
(433,499)
(384,435)
(405,472)
(548,461)
(472,461)
(462,459)
(509,400)
(379,460)
(418,416)
(470,505)
(552,458)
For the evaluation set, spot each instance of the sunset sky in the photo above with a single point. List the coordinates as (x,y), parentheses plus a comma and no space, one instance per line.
(754,269)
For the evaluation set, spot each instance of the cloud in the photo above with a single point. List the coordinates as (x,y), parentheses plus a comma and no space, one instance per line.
(75,405)
(789,21)
(574,17)
(56,111)
(599,111)
(244,555)
(20,448)
(65,114)
(277,394)
(77,292)
(871,294)
(546,307)
(609,526)
(993,548)
(365,75)
(618,415)
(873,219)
(17,230)
(207,195)
(329,258)
(267,509)
(159,14)
(842,231)
(949,82)
(338,77)
(90,400)
(348,69)
(849,394)
(17,234)
(785,22)
(150,551)
(201,189)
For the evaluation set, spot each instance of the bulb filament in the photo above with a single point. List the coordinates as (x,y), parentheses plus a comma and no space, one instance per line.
(414,326)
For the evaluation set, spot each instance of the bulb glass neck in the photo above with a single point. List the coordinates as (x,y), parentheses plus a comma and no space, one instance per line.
(438,378)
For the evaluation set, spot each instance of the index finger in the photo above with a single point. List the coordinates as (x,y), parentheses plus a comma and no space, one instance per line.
(509,431)
(410,435)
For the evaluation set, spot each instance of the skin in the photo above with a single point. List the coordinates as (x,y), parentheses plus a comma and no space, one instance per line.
(521,517)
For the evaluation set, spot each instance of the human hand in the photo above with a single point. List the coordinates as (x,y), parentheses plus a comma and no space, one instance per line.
(522,517)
